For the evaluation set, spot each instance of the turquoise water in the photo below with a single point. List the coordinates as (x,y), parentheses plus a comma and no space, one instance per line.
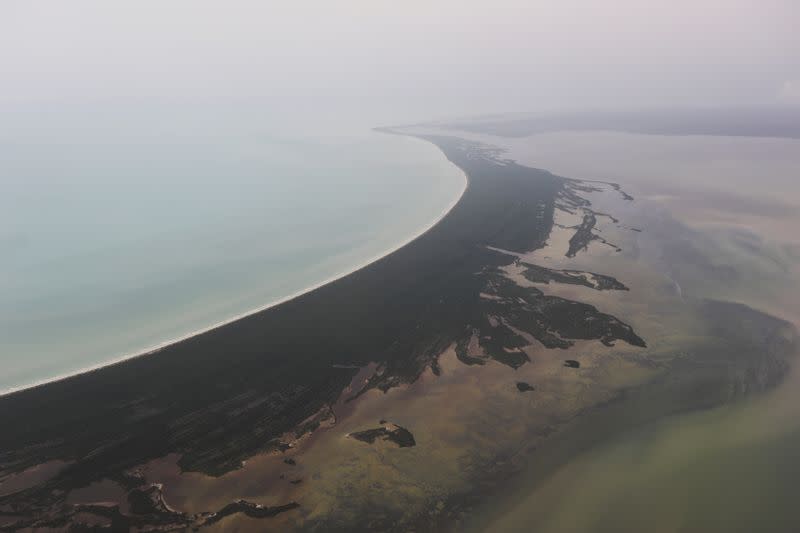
(115,238)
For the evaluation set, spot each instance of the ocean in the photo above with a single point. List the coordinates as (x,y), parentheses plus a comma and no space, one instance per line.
(117,236)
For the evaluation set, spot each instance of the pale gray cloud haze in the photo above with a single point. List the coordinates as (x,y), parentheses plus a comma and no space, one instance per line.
(790,92)
(398,60)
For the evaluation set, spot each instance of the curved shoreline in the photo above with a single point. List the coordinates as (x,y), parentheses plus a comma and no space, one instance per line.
(254,386)
(170,342)
(223,396)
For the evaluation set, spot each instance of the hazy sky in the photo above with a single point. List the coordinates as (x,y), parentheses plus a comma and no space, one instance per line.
(398,60)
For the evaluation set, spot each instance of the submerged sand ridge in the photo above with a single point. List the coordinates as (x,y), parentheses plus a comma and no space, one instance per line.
(427,345)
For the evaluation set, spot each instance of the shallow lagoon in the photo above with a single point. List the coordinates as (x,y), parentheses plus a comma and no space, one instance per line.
(718,216)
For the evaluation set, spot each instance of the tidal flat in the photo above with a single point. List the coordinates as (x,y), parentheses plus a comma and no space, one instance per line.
(302,417)
(719,214)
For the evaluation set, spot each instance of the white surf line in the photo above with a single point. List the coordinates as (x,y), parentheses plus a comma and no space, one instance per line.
(176,340)
(676,287)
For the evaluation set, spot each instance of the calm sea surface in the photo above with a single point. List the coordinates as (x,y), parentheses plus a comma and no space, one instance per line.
(115,238)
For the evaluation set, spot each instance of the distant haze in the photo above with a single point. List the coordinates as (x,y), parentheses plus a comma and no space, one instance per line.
(395,61)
